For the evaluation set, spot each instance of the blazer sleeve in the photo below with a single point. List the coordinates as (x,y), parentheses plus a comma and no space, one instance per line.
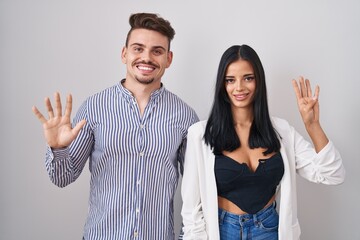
(194,227)
(324,167)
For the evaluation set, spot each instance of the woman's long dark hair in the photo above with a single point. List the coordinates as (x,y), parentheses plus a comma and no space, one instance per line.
(220,132)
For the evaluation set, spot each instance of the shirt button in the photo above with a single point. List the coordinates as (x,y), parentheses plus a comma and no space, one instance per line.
(137,211)
(142,126)
(138,182)
(136,234)
(141,154)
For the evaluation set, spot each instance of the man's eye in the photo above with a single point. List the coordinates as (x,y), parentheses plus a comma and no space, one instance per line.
(157,52)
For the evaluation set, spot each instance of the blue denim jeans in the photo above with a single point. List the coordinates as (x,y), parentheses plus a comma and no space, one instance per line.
(260,226)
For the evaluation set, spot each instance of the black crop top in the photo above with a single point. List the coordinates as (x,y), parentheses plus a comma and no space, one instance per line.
(249,190)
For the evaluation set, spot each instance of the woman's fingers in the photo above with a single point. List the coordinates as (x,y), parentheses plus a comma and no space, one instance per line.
(317,92)
(296,89)
(302,87)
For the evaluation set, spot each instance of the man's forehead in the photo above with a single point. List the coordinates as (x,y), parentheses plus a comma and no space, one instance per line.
(148,39)
(146,46)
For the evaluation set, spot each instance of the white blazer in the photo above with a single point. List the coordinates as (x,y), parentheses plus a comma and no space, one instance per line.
(199,193)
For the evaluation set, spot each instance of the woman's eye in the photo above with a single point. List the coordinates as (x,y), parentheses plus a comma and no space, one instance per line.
(229,80)
(248,79)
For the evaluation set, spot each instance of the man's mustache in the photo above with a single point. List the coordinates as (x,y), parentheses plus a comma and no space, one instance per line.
(147,63)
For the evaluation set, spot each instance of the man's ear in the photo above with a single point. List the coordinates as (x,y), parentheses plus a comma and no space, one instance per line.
(169,59)
(123,55)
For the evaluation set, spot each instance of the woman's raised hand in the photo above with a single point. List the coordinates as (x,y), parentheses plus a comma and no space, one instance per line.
(309,109)
(307,102)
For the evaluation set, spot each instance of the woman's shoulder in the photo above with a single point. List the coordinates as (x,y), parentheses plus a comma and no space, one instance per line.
(279,122)
(281,125)
(198,127)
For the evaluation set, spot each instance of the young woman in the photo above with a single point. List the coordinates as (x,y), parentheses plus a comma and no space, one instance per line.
(239,179)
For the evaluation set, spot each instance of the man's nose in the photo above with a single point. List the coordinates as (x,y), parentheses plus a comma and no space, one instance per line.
(146,55)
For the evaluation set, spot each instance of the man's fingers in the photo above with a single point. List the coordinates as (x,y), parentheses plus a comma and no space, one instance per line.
(78,127)
(49,107)
(38,114)
(58,104)
(68,107)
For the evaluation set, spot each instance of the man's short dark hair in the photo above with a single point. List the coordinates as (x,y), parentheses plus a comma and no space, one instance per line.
(150,21)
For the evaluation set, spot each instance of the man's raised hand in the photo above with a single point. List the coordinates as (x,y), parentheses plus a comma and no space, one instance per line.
(58,131)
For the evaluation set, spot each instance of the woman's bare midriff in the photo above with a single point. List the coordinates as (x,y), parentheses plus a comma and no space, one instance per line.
(229,206)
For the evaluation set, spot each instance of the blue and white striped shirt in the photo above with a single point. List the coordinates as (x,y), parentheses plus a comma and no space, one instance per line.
(133,161)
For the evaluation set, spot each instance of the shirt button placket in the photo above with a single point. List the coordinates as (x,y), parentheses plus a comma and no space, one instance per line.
(138,180)
(138,198)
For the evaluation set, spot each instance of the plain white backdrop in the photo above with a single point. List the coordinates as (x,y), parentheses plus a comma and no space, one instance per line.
(74,47)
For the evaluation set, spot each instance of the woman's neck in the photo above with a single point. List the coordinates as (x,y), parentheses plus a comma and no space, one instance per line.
(242,117)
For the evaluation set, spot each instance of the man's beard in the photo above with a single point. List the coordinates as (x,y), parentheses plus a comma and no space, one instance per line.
(145,81)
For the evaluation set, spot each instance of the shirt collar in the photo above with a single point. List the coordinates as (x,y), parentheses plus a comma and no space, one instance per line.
(127,94)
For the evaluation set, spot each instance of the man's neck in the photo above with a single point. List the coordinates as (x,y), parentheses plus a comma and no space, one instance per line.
(141,92)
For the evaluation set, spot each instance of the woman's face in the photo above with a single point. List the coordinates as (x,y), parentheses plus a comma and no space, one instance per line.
(240,84)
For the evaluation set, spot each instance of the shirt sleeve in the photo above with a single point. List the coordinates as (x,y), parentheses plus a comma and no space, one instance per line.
(65,165)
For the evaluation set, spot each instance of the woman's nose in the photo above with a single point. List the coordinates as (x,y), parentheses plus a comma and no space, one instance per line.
(238,84)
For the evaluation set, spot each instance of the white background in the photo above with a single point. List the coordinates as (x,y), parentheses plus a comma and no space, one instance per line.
(74,47)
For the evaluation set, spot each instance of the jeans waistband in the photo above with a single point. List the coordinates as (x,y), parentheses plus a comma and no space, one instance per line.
(242,218)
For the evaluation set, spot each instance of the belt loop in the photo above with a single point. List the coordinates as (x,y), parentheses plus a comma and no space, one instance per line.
(255,218)
(222,216)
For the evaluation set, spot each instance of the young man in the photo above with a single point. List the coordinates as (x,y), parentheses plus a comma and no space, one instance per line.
(133,134)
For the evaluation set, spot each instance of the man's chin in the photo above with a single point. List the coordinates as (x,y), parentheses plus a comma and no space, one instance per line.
(145,81)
